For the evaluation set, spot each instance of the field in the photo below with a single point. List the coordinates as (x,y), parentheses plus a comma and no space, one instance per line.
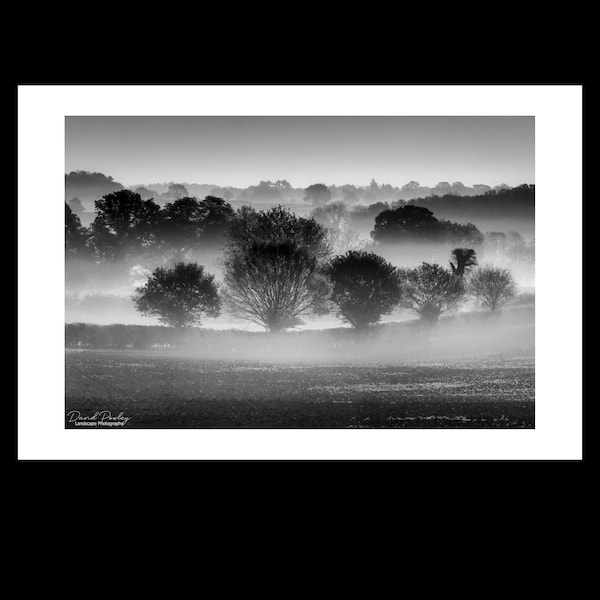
(156,389)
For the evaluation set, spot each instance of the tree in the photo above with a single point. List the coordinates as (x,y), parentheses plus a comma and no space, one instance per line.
(317,194)
(187,223)
(215,217)
(349,194)
(364,287)
(493,287)
(177,191)
(276,224)
(429,290)
(124,224)
(226,193)
(283,184)
(75,235)
(335,217)
(180,296)
(405,222)
(181,223)
(417,223)
(146,193)
(465,259)
(76,206)
(460,233)
(89,186)
(265,191)
(272,266)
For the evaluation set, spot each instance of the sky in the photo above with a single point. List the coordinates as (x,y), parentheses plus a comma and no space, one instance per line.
(241,151)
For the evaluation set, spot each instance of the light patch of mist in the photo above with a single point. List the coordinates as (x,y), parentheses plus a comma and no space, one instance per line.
(465,337)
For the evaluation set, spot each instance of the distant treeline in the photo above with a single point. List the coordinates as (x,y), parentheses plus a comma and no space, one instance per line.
(127,225)
(87,187)
(513,202)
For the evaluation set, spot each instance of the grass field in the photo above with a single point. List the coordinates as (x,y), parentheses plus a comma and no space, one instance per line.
(167,390)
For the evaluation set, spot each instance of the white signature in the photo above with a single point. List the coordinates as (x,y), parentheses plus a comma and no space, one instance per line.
(103,418)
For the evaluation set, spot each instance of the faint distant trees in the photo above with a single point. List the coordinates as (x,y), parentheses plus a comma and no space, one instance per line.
(510,250)
(335,217)
(76,206)
(89,185)
(492,286)
(412,190)
(332,214)
(317,194)
(146,193)
(273,263)
(177,191)
(226,193)
(349,194)
(364,287)
(283,184)
(265,191)
(362,217)
(462,260)
(429,290)
(180,296)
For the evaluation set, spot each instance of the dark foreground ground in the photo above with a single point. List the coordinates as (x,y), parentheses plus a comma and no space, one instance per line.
(165,390)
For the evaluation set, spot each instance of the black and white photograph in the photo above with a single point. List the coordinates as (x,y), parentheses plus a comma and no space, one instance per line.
(297,261)
(300,272)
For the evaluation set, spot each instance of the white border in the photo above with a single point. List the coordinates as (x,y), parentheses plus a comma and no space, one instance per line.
(558,113)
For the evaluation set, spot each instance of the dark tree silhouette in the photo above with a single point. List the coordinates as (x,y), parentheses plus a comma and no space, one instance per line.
(277,224)
(418,224)
(464,260)
(364,287)
(430,290)
(76,236)
(124,224)
(317,193)
(405,222)
(460,233)
(493,287)
(188,223)
(181,223)
(215,217)
(477,202)
(179,296)
(273,268)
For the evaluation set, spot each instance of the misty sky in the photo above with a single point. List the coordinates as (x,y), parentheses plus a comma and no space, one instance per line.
(241,151)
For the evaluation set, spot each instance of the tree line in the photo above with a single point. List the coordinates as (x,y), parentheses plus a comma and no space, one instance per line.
(278,270)
(279,267)
(127,225)
(89,185)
